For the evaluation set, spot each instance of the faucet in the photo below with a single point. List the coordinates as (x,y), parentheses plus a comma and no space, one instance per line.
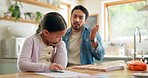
(136,32)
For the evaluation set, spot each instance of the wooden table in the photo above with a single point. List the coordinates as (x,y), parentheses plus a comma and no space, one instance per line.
(126,73)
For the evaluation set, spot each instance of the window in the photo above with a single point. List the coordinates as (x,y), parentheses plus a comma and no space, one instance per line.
(123,19)
(120,21)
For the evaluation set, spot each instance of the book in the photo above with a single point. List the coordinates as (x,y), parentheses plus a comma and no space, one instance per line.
(107,66)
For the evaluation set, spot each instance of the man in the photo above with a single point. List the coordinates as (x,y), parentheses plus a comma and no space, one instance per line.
(83,44)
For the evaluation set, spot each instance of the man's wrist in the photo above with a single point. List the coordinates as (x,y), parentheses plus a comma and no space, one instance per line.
(94,43)
(92,40)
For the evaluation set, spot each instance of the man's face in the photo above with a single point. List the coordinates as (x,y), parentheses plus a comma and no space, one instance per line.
(77,19)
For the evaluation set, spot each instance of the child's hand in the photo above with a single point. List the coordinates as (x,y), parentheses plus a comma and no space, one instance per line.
(55,66)
(54,43)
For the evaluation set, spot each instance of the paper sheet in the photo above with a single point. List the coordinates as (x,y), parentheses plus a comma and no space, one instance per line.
(66,74)
(70,74)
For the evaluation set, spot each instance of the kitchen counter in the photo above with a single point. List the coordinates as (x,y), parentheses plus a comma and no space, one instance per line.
(106,57)
(123,57)
(126,73)
(126,58)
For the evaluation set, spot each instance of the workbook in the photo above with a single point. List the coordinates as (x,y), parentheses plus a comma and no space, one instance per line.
(107,66)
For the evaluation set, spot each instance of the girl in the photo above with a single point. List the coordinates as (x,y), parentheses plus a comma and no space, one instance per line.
(45,50)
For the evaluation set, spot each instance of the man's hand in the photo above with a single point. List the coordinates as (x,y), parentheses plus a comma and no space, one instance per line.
(55,66)
(94,32)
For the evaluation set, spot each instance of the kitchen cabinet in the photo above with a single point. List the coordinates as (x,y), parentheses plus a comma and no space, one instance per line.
(8,66)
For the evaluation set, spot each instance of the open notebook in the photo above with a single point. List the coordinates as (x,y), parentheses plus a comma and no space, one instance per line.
(109,66)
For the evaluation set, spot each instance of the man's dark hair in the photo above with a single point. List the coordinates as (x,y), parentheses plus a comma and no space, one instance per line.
(83,9)
(52,22)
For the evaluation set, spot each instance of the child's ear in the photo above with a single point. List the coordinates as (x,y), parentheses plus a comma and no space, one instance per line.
(45,32)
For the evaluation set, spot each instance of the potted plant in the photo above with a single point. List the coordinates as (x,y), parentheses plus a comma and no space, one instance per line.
(15,10)
(38,16)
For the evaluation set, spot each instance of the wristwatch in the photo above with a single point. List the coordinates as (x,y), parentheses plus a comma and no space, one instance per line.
(94,40)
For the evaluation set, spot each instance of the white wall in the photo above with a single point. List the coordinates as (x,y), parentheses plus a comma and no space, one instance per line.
(93,6)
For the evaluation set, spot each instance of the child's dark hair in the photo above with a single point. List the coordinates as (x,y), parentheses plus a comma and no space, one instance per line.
(52,22)
(83,9)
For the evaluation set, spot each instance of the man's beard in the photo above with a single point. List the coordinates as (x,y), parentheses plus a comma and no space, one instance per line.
(75,28)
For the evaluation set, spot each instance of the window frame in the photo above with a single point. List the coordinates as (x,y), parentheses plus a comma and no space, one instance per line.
(107,27)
